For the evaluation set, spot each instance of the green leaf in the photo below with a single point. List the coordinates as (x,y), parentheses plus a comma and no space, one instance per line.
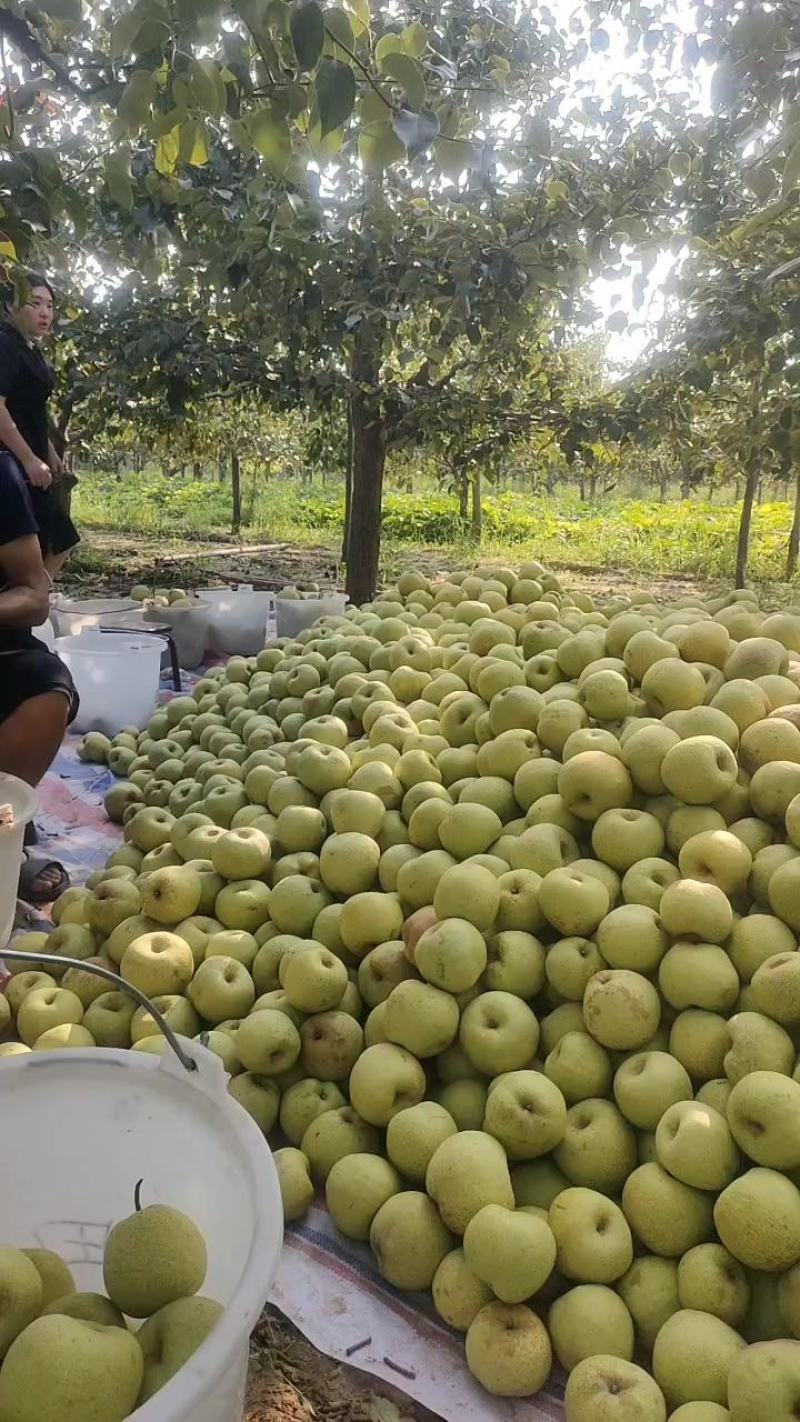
(416,131)
(207,86)
(791,170)
(360,10)
(680,165)
(415,39)
(167,151)
(336,94)
(761,182)
(556,190)
(117,175)
(338,28)
(388,44)
(194,144)
(69,12)
(122,39)
(453,155)
(137,98)
(409,76)
(372,108)
(379,147)
(271,139)
(307,29)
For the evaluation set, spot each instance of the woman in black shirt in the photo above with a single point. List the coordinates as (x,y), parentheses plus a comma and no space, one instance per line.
(26,383)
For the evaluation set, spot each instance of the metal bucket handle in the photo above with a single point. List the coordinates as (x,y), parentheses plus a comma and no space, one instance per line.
(119,983)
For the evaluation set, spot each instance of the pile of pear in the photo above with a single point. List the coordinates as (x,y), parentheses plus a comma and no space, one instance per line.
(67,1356)
(487,896)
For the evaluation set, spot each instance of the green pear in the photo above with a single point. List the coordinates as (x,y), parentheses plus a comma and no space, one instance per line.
(151,1258)
(356,1188)
(409,1240)
(458,1293)
(466,1172)
(294,1178)
(56,1278)
(170,1337)
(21,1291)
(508,1351)
(66,1370)
(90,1308)
(512,1251)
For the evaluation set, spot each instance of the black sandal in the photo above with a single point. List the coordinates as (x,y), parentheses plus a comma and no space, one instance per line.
(44,892)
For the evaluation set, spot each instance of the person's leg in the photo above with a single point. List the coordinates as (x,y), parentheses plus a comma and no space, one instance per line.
(54,563)
(30,737)
(37,703)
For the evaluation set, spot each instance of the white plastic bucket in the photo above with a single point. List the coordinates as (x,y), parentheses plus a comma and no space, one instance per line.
(188,628)
(116,676)
(293,615)
(237,620)
(86,1126)
(69,615)
(24,802)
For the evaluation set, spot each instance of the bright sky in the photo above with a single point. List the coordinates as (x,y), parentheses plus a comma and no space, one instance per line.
(602,73)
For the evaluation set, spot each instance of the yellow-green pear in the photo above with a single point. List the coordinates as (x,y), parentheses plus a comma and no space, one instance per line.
(55,1275)
(297,1190)
(508,1350)
(170,1337)
(91,1308)
(466,1172)
(65,1370)
(356,1188)
(512,1251)
(153,1257)
(458,1294)
(21,1291)
(409,1240)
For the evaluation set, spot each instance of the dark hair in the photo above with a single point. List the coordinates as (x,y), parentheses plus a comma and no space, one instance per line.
(9,294)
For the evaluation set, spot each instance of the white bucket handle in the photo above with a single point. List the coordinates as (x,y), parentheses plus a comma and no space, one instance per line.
(187,1061)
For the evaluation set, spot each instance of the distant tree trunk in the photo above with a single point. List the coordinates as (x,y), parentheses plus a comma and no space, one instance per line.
(592,486)
(348,483)
(222,468)
(752,480)
(582,487)
(197,470)
(476,522)
(236,493)
(463,498)
(794,536)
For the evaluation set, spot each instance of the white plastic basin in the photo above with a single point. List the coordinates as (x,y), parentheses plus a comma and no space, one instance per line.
(237,620)
(24,803)
(86,1126)
(293,615)
(69,615)
(116,676)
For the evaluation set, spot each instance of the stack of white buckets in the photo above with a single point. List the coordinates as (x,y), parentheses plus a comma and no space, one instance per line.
(88,1124)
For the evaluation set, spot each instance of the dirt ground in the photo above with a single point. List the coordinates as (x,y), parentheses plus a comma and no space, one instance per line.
(109,564)
(291,1382)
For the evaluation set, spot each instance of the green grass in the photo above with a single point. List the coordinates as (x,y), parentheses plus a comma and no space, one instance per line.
(691,538)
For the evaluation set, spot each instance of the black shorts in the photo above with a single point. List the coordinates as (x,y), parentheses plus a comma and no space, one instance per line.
(57,532)
(33,671)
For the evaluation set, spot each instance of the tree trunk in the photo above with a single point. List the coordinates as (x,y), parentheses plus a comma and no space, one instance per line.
(663,482)
(794,536)
(236,494)
(752,479)
(476,521)
(348,483)
(463,498)
(582,488)
(197,470)
(222,468)
(368,463)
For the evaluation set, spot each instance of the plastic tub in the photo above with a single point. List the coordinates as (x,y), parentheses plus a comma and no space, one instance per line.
(24,802)
(69,616)
(116,676)
(86,1126)
(293,615)
(237,620)
(188,627)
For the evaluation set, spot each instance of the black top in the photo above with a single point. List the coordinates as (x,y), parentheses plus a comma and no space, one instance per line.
(17,520)
(26,383)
